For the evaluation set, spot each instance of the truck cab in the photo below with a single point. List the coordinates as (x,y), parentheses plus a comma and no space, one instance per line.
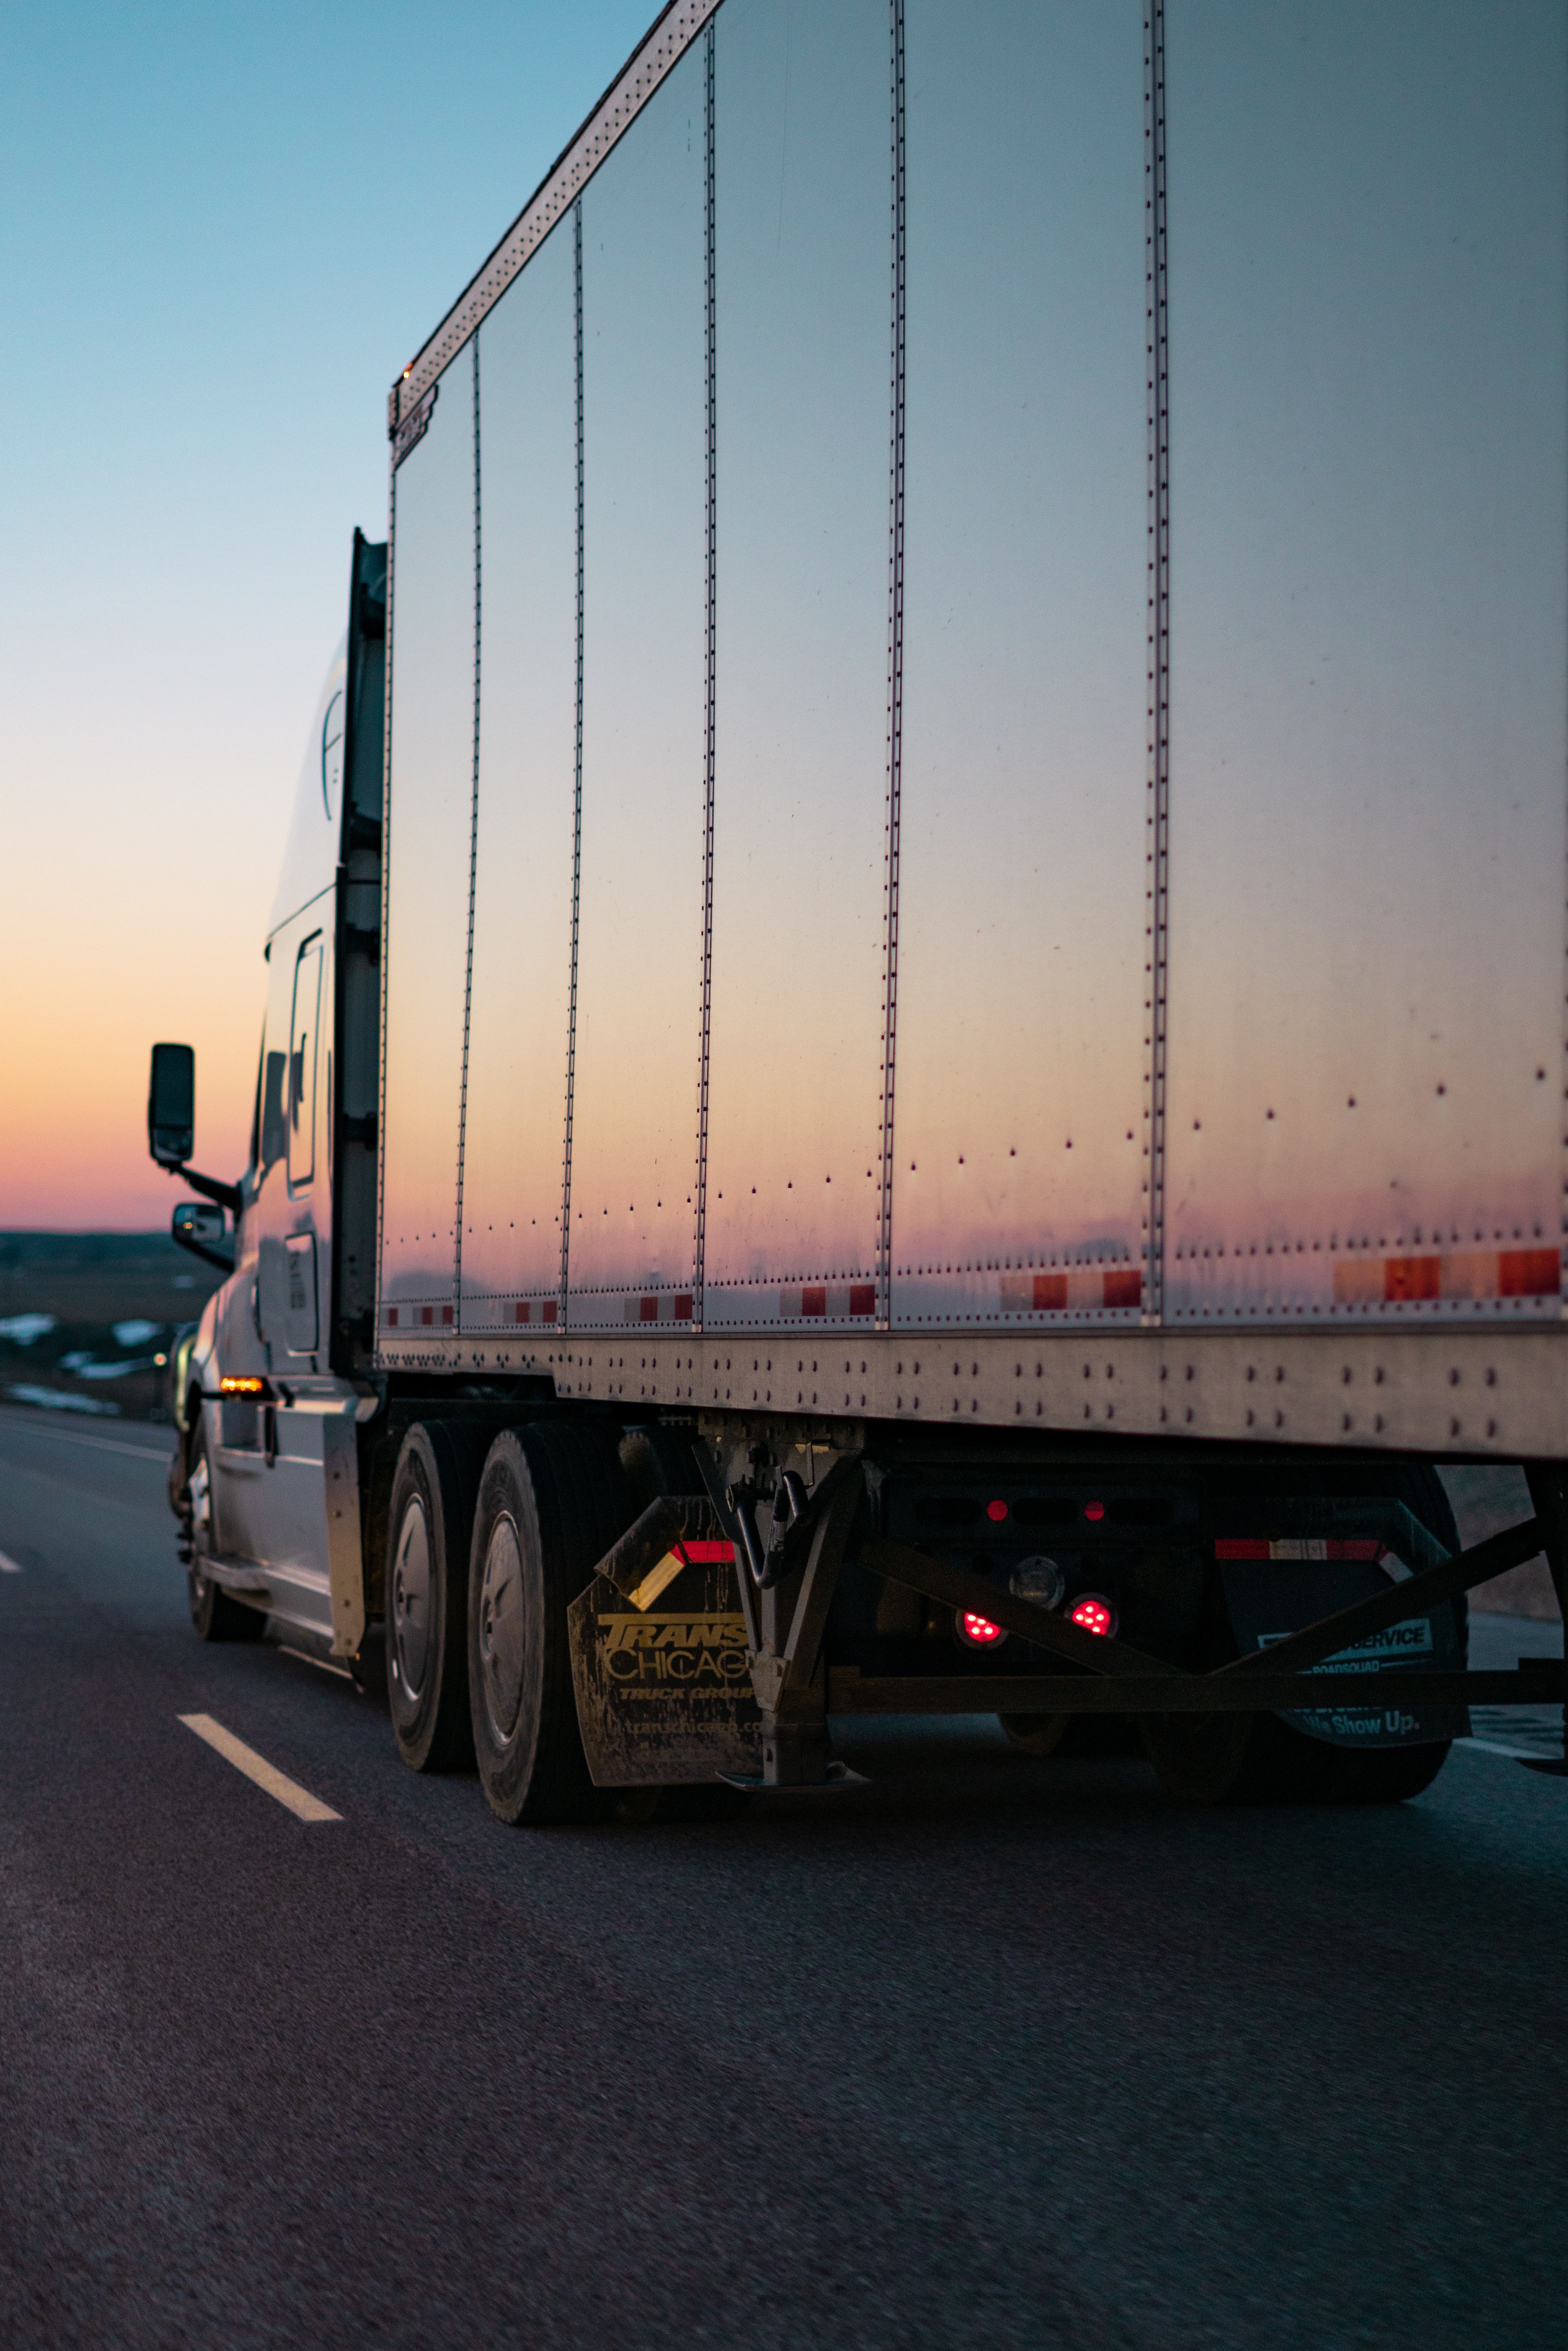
(275,1378)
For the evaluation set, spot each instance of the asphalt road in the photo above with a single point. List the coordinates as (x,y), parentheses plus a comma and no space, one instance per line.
(994,2053)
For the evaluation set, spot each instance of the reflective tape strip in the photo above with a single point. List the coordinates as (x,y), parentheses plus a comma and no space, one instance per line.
(681,1554)
(1076,1286)
(658,1579)
(815,1301)
(535,1309)
(658,1306)
(1460,1273)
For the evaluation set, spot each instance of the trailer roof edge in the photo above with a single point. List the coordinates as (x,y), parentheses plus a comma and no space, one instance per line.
(661,49)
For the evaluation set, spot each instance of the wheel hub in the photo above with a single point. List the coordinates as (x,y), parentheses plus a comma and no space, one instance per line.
(501,1628)
(410,1599)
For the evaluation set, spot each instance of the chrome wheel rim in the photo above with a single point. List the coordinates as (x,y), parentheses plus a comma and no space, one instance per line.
(201,1506)
(411,1600)
(501,1628)
(201,1493)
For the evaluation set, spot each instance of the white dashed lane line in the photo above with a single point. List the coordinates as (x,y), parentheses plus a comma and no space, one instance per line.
(288,1792)
(9,1566)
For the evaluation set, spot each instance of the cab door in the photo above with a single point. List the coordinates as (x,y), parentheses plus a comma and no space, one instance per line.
(290,1230)
(291,1309)
(284,1501)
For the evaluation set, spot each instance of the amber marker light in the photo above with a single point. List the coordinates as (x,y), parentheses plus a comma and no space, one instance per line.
(1093,1615)
(244,1384)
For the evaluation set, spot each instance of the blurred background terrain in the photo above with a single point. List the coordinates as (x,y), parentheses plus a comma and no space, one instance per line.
(87,1320)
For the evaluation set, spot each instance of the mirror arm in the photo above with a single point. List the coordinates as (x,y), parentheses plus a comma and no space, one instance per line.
(227,1195)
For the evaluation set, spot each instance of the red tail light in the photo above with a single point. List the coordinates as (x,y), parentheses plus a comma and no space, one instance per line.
(978,1631)
(1093,1615)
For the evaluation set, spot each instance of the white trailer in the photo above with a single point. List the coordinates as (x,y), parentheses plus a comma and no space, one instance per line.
(923,950)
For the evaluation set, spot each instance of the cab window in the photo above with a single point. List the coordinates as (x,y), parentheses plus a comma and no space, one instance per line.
(303,1028)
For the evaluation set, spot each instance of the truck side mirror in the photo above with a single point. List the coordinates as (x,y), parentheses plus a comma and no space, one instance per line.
(197,1221)
(196,1226)
(171,1106)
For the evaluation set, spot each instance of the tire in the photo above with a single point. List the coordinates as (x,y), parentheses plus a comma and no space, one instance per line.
(1035,1734)
(1392,1775)
(1260,1759)
(430,1522)
(1072,1738)
(1272,1762)
(215,1615)
(551,1502)
(1199,1759)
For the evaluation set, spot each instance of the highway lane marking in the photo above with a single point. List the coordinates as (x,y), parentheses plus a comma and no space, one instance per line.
(78,1437)
(9,1566)
(288,1792)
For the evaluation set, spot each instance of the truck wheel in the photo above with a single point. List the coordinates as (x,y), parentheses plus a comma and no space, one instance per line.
(428,1527)
(1391,1775)
(548,1510)
(215,1614)
(1260,1759)
(1199,1759)
(1035,1734)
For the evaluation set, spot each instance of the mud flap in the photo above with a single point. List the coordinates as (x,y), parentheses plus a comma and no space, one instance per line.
(1275,1588)
(663,1691)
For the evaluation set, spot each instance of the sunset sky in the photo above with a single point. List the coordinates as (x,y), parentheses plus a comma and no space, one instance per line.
(225,231)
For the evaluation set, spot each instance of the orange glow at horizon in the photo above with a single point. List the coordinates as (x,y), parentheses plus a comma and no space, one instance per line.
(110,943)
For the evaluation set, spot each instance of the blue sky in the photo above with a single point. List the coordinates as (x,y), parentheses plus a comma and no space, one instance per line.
(222,230)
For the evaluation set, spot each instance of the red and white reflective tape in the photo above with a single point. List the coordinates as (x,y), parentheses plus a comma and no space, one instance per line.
(1078,1286)
(1299,1547)
(659,1306)
(418,1318)
(1463,1273)
(843,1301)
(660,1577)
(535,1309)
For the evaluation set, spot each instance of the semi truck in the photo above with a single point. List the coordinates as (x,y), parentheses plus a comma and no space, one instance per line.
(914,1055)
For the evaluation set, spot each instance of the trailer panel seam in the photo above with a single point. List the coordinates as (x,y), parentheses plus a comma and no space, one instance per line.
(705,1027)
(473,856)
(577,788)
(1157,816)
(894,669)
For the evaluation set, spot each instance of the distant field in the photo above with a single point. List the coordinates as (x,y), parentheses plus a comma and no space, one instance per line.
(86,1317)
